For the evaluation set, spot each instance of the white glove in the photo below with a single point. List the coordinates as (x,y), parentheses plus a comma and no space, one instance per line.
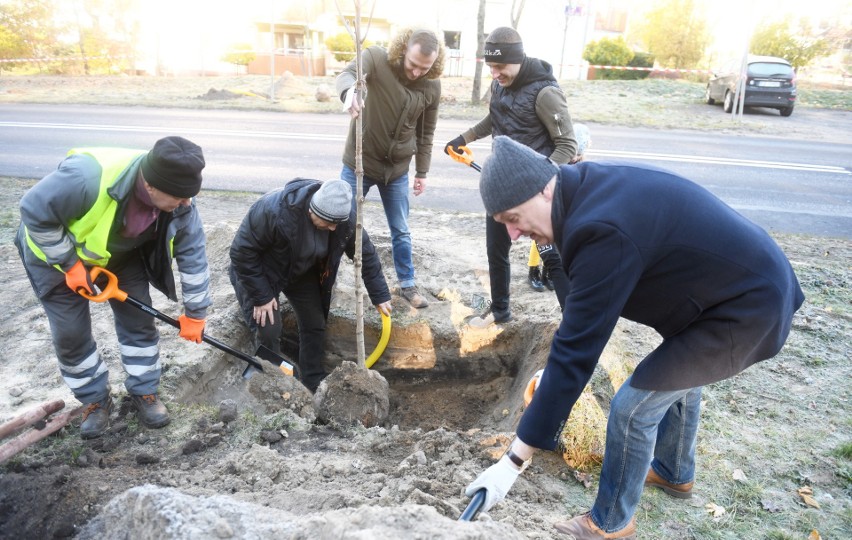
(532,386)
(350,97)
(497,481)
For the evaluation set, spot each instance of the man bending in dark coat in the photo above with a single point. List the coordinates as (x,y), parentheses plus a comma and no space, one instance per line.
(650,246)
(292,241)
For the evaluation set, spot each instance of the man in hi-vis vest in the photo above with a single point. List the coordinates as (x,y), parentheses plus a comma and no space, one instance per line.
(132,212)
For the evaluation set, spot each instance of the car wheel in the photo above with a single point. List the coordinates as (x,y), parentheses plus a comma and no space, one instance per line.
(707,98)
(786,111)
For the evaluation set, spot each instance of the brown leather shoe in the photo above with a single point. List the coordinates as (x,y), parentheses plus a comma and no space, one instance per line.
(583,528)
(96,419)
(678,491)
(414,297)
(150,411)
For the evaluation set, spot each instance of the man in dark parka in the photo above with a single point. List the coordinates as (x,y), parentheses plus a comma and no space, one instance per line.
(650,246)
(292,241)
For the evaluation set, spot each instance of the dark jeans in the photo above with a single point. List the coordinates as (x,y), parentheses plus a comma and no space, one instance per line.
(498,243)
(305,297)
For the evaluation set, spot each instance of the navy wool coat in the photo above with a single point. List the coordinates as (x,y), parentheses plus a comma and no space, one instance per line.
(650,246)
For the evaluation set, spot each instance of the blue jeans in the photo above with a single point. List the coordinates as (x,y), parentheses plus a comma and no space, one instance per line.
(394,196)
(645,427)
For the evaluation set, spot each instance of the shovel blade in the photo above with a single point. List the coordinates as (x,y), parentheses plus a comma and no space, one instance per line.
(249,371)
(269,355)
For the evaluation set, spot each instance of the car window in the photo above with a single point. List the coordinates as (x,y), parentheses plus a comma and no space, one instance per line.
(769,69)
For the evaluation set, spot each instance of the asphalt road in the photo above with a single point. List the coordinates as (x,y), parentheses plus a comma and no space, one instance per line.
(785,185)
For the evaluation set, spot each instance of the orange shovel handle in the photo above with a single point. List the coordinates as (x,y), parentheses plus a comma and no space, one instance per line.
(465,156)
(109,291)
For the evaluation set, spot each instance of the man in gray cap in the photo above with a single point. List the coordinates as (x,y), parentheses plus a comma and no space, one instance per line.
(650,246)
(132,212)
(291,241)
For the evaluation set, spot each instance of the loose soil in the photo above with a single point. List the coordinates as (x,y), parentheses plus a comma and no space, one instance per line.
(250,459)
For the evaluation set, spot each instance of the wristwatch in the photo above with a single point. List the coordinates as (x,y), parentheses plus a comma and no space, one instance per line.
(516,459)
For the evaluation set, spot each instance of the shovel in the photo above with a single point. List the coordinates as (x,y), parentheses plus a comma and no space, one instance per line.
(464,157)
(112,292)
(474,506)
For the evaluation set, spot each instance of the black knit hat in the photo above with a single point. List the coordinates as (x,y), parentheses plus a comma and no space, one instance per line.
(332,202)
(513,175)
(174,167)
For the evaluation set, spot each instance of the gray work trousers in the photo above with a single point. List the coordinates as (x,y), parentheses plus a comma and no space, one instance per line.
(80,364)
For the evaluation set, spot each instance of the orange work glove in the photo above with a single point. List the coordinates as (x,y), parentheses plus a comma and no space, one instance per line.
(191,329)
(77,279)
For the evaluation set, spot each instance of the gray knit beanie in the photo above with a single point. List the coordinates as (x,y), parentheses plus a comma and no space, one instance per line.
(512,175)
(332,202)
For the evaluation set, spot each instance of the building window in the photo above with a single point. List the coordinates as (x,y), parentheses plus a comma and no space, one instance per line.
(611,21)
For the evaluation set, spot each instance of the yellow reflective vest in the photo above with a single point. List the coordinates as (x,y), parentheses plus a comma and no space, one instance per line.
(90,232)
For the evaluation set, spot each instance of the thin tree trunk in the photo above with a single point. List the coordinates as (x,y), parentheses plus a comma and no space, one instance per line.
(360,86)
(480,53)
(360,90)
(516,14)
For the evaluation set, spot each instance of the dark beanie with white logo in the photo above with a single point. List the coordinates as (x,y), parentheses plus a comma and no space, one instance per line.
(498,52)
(512,175)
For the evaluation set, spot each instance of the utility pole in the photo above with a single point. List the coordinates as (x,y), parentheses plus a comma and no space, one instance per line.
(568,9)
(590,16)
(272,53)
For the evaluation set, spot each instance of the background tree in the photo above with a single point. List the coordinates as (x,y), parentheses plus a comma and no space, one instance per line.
(240,54)
(608,52)
(675,32)
(108,33)
(480,54)
(11,48)
(34,30)
(516,10)
(797,46)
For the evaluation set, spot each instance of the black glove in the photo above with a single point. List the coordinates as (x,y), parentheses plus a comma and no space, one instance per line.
(454,144)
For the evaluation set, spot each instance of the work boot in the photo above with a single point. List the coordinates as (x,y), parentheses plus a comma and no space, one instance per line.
(545,279)
(414,297)
(150,411)
(678,491)
(535,279)
(96,418)
(583,528)
(489,317)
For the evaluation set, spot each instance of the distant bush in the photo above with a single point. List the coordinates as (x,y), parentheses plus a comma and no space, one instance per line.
(608,52)
(342,46)
(640,59)
(241,54)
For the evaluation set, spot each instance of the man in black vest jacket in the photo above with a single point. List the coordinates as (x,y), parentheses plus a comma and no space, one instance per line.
(650,246)
(292,241)
(527,105)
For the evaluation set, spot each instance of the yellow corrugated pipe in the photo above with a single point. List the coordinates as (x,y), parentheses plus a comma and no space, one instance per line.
(535,258)
(383,342)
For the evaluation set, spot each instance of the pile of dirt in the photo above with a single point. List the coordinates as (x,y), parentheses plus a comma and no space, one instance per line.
(214,94)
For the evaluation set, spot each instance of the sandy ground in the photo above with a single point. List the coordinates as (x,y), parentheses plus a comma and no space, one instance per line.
(270,469)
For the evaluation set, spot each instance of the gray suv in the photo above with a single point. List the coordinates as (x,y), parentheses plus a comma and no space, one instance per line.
(770,82)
